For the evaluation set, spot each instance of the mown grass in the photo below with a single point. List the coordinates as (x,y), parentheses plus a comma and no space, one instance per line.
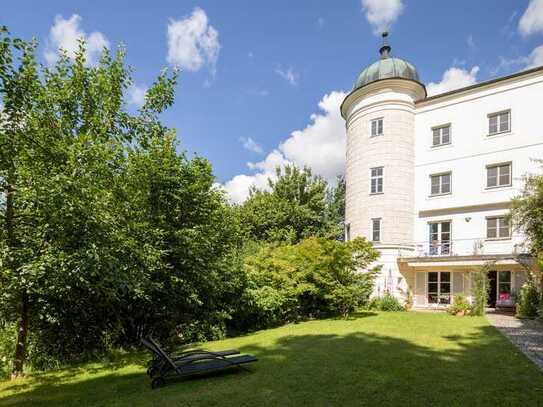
(373,359)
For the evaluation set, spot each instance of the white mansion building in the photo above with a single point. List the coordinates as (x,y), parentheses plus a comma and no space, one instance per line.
(430,179)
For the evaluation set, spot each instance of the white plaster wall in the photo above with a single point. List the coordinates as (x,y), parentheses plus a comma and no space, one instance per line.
(470,152)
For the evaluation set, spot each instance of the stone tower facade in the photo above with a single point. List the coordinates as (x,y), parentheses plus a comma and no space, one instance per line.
(380,124)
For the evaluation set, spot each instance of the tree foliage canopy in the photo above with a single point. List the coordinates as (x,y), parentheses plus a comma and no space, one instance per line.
(296,206)
(107,232)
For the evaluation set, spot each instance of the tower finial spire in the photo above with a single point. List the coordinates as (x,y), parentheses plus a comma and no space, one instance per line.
(385,48)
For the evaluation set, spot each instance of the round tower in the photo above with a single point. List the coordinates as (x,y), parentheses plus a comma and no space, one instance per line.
(380,165)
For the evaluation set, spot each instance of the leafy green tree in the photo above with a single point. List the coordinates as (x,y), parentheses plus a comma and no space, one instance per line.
(294,208)
(527,212)
(189,288)
(64,132)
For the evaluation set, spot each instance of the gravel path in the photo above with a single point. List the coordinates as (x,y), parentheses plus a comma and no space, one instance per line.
(527,335)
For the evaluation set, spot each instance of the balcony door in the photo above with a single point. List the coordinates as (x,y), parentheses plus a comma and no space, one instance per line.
(439,287)
(440,238)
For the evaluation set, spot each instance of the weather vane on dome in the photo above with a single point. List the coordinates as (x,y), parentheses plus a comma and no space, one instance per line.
(385,49)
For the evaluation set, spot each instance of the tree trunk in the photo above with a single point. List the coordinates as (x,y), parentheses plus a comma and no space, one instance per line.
(22,331)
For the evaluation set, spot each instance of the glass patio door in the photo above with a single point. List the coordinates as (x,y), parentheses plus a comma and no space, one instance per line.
(439,287)
(440,238)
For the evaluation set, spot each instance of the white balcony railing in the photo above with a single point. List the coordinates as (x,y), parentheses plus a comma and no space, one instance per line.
(466,247)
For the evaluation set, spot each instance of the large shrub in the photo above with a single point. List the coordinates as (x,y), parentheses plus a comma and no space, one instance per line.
(314,278)
(386,302)
(528,300)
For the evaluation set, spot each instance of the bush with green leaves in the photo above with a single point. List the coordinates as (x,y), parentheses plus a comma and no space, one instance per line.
(460,305)
(528,300)
(386,302)
(316,277)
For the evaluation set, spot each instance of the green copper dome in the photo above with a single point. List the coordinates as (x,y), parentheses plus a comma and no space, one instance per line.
(387,67)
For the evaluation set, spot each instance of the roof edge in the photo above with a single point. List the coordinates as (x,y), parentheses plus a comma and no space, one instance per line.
(481,84)
(378,81)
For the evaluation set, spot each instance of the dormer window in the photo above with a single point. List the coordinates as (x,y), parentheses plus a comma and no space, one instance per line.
(499,122)
(441,135)
(377,127)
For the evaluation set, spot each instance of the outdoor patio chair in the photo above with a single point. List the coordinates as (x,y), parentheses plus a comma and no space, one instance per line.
(195,354)
(190,363)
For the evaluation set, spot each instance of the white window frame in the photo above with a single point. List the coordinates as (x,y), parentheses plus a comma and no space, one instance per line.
(498,116)
(379,186)
(499,175)
(440,175)
(499,227)
(439,129)
(440,246)
(376,221)
(377,127)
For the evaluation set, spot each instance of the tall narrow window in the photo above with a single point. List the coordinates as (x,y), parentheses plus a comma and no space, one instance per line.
(440,184)
(377,127)
(376,230)
(376,176)
(498,175)
(498,228)
(439,287)
(347,232)
(441,135)
(499,122)
(440,238)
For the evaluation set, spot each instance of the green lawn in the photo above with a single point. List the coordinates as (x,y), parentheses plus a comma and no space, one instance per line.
(377,359)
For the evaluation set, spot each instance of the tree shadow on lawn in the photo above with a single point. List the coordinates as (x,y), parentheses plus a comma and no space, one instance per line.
(481,368)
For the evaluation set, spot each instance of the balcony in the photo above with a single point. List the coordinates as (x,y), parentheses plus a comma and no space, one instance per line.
(466,247)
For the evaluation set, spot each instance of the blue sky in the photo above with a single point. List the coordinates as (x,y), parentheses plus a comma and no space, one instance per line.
(262,80)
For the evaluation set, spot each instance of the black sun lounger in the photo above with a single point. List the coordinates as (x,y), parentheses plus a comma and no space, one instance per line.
(158,360)
(190,363)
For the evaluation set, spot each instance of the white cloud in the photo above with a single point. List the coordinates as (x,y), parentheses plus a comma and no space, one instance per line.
(251,145)
(531,21)
(65,34)
(136,95)
(453,78)
(193,42)
(290,75)
(382,13)
(320,146)
(533,60)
